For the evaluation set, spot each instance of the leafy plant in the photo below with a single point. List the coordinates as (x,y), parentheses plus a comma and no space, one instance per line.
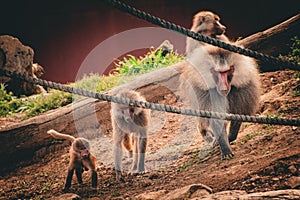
(46,186)
(126,70)
(44,103)
(297,75)
(249,136)
(108,82)
(295,93)
(8,102)
(273,116)
(294,54)
(184,166)
(31,106)
(130,65)
(88,82)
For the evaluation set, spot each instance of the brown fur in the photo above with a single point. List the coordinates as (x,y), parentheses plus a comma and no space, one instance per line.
(206,23)
(80,158)
(200,83)
(130,127)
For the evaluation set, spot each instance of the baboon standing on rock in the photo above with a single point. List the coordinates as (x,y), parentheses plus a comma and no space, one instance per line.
(221,81)
(206,23)
(130,127)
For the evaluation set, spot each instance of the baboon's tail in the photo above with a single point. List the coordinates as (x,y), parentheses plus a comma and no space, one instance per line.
(58,135)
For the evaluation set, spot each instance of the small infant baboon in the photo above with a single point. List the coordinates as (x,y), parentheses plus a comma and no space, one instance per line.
(81,159)
(206,23)
(130,127)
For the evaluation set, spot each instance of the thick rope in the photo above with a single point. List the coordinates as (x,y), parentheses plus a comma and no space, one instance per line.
(152,106)
(197,36)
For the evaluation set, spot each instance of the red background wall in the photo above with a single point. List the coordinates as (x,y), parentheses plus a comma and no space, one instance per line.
(62,33)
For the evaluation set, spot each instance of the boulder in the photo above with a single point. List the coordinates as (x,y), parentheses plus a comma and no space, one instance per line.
(67,196)
(239,194)
(16,57)
(200,191)
(151,195)
(278,194)
(187,192)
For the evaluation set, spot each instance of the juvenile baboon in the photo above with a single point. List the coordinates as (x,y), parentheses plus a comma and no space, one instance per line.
(81,159)
(130,127)
(221,82)
(206,23)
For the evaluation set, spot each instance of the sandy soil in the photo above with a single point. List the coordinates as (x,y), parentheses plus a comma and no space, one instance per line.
(266,156)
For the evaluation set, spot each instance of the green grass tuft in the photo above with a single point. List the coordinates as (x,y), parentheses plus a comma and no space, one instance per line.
(126,70)
(31,106)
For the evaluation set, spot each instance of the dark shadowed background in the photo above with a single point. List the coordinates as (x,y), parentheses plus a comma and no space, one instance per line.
(63,32)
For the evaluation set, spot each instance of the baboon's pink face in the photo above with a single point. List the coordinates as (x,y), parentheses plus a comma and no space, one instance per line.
(84,153)
(223,78)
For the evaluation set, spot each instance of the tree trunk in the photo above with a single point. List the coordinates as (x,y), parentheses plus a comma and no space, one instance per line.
(274,41)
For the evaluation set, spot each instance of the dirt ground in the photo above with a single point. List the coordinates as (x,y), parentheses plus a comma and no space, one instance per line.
(266,157)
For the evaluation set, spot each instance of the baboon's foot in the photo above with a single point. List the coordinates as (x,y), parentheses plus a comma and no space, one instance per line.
(137,172)
(119,177)
(227,155)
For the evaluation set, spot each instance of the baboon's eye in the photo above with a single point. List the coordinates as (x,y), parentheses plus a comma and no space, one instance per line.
(131,110)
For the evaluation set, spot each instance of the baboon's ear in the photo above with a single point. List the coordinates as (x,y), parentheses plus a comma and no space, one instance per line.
(201,19)
(198,20)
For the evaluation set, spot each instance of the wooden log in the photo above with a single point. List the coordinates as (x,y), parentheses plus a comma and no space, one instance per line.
(26,142)
(274,41)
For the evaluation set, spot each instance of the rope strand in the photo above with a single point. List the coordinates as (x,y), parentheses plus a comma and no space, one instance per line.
(152,106)
(200,37)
